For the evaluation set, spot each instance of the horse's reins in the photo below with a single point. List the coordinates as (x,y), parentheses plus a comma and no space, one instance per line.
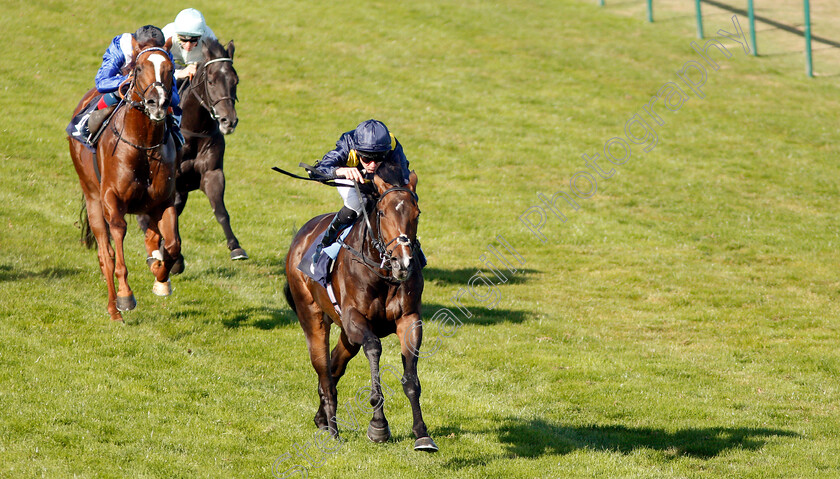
(316,176)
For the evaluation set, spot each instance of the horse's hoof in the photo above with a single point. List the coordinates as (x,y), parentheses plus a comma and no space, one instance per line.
(238,253)
(376,434)
(125,303)
(150,261)
(178,267)
(162,289)
(425,444)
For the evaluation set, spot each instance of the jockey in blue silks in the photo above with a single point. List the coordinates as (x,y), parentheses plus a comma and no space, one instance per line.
(355,157)
(110,76)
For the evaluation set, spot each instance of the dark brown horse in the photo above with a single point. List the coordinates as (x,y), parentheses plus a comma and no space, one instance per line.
(133,171)
(378,285)
(209,115)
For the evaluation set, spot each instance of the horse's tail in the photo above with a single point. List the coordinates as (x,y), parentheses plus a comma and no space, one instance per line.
(289,299)
(87,234)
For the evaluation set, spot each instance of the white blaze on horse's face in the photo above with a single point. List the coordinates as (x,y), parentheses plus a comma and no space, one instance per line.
(402,240)
(397,219)
(157,60)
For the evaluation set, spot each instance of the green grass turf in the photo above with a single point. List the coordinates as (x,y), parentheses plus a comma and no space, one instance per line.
(682,323)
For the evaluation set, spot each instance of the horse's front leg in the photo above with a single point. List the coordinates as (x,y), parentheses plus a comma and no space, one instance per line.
(114,213)
(104,250)
(410,332)
(356,324)
(213,185)
(167,226)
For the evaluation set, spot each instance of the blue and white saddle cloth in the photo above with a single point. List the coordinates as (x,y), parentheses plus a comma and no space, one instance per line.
(320,271)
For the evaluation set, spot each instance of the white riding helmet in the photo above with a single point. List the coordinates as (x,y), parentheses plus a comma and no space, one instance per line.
(189,23)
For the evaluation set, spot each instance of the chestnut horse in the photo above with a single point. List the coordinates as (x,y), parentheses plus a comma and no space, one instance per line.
(378,285)
(133,171)
(209,114)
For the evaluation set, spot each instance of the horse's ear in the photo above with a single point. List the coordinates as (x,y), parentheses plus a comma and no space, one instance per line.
(135,47)
(230,49)
(168,45)
(380,184)
(412,181)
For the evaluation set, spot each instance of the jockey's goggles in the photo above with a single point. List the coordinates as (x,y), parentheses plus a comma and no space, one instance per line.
(375,157)
(188,39)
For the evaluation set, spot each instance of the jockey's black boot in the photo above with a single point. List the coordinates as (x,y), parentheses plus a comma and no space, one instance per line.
(97,118)
(343,218)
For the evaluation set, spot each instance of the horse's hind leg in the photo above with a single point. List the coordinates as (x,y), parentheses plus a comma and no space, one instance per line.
(343,352)
(213,185)
(166,226)
(317,334)
(151,240)
(410,332)
(154,250)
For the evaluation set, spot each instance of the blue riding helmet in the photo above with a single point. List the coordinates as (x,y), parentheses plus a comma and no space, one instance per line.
(372,136)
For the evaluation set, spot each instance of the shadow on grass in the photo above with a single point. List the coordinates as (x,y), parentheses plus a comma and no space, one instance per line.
(463,275)
(9,273)
(775,23)
(260,318)
(480,316)
(264,318)
(536,437)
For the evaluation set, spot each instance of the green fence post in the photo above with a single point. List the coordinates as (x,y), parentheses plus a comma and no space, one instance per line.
(650,10)
(752,27)
(600,3)
(809,66)
(699,19)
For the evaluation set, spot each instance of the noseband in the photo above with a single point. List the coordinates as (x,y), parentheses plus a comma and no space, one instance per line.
(379,243)
(207,102)
(141,105)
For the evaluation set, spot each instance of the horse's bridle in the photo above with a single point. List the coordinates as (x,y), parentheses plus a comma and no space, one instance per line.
(141,105)
(379,243)
(208,103)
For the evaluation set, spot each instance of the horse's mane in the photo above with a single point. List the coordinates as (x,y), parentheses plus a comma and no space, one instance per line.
(391,172)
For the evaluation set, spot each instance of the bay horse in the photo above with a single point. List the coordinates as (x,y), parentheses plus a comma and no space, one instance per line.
(133,171)
(378,286)
(209,113)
